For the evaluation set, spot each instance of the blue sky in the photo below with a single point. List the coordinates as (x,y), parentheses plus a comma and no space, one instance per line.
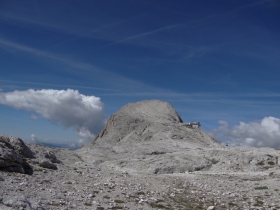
(214,61)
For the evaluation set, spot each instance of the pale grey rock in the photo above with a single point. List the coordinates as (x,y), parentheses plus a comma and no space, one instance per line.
(4,207)
(21,202)
(146,121)
(149,136)
(42,152)
(149,130)
(51,156)
(211,208)
(46,163)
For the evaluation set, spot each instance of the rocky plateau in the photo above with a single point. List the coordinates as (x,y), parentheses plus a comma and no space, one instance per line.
(146,157)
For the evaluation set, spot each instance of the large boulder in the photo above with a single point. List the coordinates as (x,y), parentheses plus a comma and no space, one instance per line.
(16,144)
(20,202)
(13,154)
(46,163)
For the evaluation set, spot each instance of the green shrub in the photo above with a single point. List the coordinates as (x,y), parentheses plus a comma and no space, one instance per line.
(271,163)
(260,163)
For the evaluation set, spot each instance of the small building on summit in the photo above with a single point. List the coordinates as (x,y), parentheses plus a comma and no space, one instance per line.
(193,124)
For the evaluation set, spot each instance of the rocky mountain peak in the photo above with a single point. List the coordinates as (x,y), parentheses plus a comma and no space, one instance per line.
(149,120)
(151,110)
(134,118)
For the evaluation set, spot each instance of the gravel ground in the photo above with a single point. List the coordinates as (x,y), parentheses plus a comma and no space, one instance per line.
(80,185)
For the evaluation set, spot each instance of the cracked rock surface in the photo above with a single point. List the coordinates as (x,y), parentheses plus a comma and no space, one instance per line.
(145,158)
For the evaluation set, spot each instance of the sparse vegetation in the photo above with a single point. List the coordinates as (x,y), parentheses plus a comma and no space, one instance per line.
(214,161)
(271,163)
(261,188)
(148,138)
(159,206)
(258,203)
(123,163)
(231,204)
(260,163)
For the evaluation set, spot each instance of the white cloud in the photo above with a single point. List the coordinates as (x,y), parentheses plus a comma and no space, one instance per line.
(67,107)
(261,133)
(34,138)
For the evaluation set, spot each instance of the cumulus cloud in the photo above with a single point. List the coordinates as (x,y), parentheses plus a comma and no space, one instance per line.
(260,133)
(85,114)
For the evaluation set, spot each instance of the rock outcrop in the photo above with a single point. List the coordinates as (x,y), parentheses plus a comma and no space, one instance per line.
(16,156)
(13,154)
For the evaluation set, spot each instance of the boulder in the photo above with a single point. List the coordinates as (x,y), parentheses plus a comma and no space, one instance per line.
(51,156)
(16,144)
(42,152)
(46,163)
(13,154)
(21,202)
